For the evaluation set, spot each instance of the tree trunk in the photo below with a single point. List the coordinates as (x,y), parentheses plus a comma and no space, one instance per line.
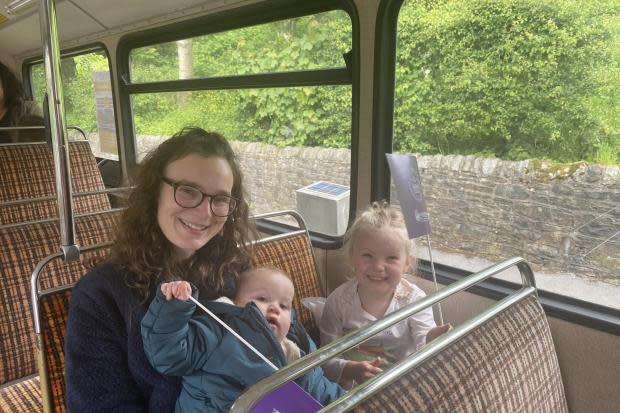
(186,67)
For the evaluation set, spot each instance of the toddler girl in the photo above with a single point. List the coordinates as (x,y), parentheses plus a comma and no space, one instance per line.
(380,252)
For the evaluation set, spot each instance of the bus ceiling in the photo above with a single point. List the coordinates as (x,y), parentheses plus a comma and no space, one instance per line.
(19,23)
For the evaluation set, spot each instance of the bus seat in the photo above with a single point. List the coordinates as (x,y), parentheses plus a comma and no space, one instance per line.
(53,313)
(507,364)
(24,396)
(27,171)
(23,247)
(292,252)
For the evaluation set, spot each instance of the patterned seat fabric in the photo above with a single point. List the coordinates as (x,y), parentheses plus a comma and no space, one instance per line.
(54,311)
(23,247)
(293,254)
(27,171)
(23,396)
(508,364)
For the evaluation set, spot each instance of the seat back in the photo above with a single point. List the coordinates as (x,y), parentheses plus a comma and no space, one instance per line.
(27,172)
(53,313)
(51,307)
(293,253)
(507,364)
(23,247)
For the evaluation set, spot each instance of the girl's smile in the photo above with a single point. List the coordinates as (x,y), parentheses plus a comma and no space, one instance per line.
(379,258)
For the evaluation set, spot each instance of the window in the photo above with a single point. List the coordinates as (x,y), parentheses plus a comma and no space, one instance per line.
(511,109)
(88,99)
(281,92)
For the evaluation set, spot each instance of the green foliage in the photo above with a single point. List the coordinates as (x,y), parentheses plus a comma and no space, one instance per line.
(516,78)
(77,86)
(282,116)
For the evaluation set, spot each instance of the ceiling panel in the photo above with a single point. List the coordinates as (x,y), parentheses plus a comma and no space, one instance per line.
(114,13)
(86,20)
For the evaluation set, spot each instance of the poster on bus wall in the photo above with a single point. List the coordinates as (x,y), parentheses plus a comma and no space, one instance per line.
(404,170)
(290,398)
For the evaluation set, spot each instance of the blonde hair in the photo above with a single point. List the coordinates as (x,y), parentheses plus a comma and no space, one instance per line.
(243,277)
(377,216)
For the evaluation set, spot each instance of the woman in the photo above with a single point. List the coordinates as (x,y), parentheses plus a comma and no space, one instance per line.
(15,110)
(187,220)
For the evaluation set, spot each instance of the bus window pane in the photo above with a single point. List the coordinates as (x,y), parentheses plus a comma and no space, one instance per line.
(311,42)
(88,99)
(286,138)
(511,107)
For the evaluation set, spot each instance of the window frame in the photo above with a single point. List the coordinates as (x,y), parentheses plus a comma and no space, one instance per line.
(28,64)
(567,308)
(237,18)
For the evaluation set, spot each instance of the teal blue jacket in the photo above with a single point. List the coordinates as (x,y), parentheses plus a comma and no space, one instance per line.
(216,367)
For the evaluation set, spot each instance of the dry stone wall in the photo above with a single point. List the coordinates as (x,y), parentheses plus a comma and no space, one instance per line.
(560,217)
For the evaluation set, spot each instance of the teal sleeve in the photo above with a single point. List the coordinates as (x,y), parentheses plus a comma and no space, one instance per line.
(174,343)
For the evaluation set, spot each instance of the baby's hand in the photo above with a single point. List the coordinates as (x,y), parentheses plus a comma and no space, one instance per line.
(435,332)
(360,371)
(181,290)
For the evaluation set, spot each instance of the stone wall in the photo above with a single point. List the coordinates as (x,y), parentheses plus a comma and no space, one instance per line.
(560,217)
(273,174)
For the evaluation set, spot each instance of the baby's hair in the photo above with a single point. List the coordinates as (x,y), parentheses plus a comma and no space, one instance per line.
(379,215)
(268,268)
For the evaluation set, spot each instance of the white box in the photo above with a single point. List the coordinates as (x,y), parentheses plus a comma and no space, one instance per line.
(325,207)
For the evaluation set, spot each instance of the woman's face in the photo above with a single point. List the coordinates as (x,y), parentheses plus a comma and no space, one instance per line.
(189,229)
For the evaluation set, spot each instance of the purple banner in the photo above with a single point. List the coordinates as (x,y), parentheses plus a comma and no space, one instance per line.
(404,169)
(289,398)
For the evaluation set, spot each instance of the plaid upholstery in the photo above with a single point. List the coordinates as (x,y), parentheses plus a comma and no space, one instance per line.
(54,309)
(508,364)
(24,396)
(293,254)
(23,247)
(27,171)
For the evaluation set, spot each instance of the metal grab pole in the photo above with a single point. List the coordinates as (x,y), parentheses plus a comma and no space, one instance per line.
(56,108)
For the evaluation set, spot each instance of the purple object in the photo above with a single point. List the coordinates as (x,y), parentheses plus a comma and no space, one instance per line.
(289,398)
(404,169)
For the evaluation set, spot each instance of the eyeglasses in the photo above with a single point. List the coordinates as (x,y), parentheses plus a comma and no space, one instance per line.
(187,196)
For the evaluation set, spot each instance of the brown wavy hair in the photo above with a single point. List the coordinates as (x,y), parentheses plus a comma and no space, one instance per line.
(144,252)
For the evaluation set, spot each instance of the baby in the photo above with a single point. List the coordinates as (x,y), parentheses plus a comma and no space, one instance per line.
(216,366)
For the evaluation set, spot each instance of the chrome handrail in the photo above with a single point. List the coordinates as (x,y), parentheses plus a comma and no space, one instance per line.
(75,195)
(43,221)
(376,383)
(36,293)
(296,215)
(251,396)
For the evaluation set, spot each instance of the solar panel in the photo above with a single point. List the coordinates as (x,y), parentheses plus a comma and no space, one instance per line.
(328,188)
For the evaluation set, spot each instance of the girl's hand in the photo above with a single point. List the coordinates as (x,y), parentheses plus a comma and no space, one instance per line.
(435,332)
(360,371)
(181,290)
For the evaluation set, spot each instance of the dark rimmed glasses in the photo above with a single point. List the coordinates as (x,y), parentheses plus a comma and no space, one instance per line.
(187,196)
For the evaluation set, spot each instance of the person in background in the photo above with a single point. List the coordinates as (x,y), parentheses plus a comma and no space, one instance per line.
(380,252)
(187,219)
(16,110)
(215,364)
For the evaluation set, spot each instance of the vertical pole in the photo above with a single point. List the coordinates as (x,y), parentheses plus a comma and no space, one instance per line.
(51,55)
(430,257)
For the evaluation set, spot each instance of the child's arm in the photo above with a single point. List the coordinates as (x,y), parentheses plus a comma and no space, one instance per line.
(170,336)
(435,332)
(359,371)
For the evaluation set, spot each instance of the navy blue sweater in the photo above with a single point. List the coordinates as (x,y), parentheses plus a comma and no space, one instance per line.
(106,368)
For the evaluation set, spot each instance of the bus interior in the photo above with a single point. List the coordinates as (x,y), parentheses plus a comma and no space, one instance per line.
(510,107)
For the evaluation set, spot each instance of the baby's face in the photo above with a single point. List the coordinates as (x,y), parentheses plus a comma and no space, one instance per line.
(272,293)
